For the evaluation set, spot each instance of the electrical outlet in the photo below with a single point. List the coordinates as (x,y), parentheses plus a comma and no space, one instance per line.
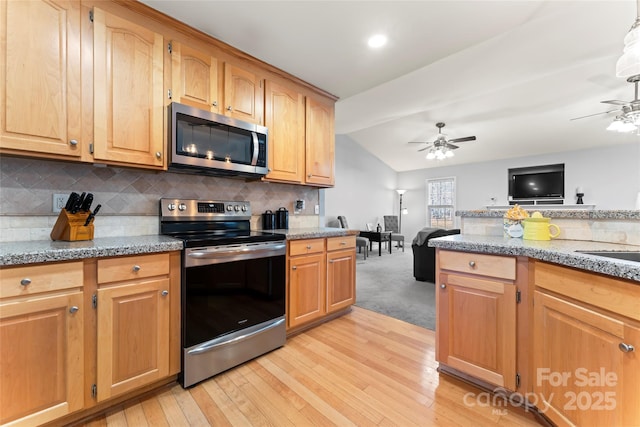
(316,209)
(59,202)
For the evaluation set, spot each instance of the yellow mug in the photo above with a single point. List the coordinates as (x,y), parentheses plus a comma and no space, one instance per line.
(539,229)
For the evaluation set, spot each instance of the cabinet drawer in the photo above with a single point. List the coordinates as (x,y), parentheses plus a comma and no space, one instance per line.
(615,295)
(33,279)
(303,247)
(485,265)
(132,267)
(343,242)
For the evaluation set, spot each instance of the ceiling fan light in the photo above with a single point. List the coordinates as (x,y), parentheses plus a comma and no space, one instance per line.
(627,127)
(449,153)
(615,125)
(431,155)
(629,63)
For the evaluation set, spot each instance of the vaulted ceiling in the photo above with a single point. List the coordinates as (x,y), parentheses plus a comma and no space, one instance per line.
(512,73)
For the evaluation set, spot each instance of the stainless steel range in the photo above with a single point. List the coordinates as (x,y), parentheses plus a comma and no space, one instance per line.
(233,285)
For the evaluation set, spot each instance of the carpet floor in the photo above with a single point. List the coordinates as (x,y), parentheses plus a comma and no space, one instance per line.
(385,284)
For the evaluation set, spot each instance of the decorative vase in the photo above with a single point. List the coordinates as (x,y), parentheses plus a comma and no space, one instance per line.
(513,227)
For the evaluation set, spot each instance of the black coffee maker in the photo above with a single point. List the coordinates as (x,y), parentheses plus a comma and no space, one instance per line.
(282,219)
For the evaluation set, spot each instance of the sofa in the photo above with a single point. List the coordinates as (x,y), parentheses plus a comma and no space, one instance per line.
(424,257)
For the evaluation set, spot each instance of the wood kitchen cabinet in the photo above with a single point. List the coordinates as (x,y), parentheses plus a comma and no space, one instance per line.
(320,142)
(42,341)
(284,113)
(40,79)
(243,94)
(476,315)
(194,78)
(306,281)
(586,339)
(341,272)
(134,307)
(128,92)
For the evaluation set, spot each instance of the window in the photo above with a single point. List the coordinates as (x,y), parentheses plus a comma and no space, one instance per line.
(441,202)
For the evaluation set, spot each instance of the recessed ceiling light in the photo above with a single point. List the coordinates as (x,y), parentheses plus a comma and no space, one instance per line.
(377,41)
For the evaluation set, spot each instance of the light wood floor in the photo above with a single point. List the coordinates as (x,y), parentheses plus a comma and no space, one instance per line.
(362,369)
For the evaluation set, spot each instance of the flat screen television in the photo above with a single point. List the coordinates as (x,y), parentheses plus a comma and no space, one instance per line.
(537,182)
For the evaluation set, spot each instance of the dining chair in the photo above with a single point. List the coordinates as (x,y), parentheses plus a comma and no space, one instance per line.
(361,242)
(391,224)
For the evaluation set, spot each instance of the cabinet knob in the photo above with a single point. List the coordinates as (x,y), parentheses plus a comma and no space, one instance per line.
(136,268)
(158,155)
(627,348)
(229,108)
(309,176)
(73,142)
(472,264)
(308,246)
(73,309)
(214,103)
(25,282)
(164,293)
(442,286)
(343,243)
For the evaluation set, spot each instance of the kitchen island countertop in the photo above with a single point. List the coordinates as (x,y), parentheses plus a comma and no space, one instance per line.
(562,252)
(314,232)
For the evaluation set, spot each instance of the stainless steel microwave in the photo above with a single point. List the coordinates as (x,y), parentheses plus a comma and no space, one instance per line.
(213,144)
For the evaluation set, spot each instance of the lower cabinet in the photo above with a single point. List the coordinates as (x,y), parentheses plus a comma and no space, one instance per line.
(41,343)
(586,361)
(476,316)
(320,278)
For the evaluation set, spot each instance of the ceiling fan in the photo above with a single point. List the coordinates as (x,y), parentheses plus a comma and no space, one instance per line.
(441,143)
(630,109)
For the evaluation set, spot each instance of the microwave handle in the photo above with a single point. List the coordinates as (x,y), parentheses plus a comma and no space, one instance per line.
(256,146)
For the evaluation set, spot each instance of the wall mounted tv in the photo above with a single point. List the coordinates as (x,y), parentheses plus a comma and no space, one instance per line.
(537,182)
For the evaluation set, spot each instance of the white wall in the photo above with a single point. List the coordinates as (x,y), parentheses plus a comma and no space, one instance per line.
(364,189)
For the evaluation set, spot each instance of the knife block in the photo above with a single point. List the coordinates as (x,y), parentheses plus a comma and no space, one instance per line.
(70,227)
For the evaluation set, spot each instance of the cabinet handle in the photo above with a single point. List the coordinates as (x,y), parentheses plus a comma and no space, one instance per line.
(73,142)
(442,286)
(331,261)
(229,108)
(73,309)
(343,243)
(136,268)
(472,264)
(158,155)
(294,268)
(309,176)
(308,246)
(25,282)
(214,103)
(164,293)
(627,348)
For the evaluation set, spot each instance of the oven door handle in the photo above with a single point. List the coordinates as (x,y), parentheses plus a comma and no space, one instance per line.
(222,341)
(215,253)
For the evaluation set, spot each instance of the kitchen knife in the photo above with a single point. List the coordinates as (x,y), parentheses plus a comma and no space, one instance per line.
(86,204)
(71,201)
(92,215)
(76,206)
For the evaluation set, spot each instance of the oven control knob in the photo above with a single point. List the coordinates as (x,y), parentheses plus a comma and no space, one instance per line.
(172,206)
(182,207)
(244,208)
(229,208)
(236,208)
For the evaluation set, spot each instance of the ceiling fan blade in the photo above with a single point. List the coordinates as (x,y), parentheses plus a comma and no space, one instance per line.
(466,138)
(615,102)
(419,142)
(429,145)
(422,149)
(451,146)
(595,114)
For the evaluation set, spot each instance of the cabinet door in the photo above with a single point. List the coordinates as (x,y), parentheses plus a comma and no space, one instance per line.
(476,329)
(243,95)
(582,377)
(42,359)
(194,78)
(128,92)
(320,143)
(40,77)
(133,336)
(306,289)
(284,114)
(341,279)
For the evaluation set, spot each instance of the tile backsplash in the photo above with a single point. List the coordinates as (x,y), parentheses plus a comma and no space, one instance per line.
(129,197)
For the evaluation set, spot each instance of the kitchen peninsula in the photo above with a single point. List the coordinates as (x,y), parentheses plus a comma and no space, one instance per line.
(513,312)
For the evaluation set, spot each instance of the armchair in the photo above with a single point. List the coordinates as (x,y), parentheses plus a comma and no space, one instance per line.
(361,242)
(424,257)
(391,224)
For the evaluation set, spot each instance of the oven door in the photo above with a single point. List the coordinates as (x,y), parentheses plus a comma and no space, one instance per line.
(233,306)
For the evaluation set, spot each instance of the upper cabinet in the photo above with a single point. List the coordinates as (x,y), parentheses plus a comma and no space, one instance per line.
(40,78)
(320,142)
(284,117)
(128,92)
(194,78)
(243,94)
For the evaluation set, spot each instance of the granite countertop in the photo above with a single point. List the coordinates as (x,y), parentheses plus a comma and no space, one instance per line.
(556,213)
(36,251)
(556,251)
(314,232)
